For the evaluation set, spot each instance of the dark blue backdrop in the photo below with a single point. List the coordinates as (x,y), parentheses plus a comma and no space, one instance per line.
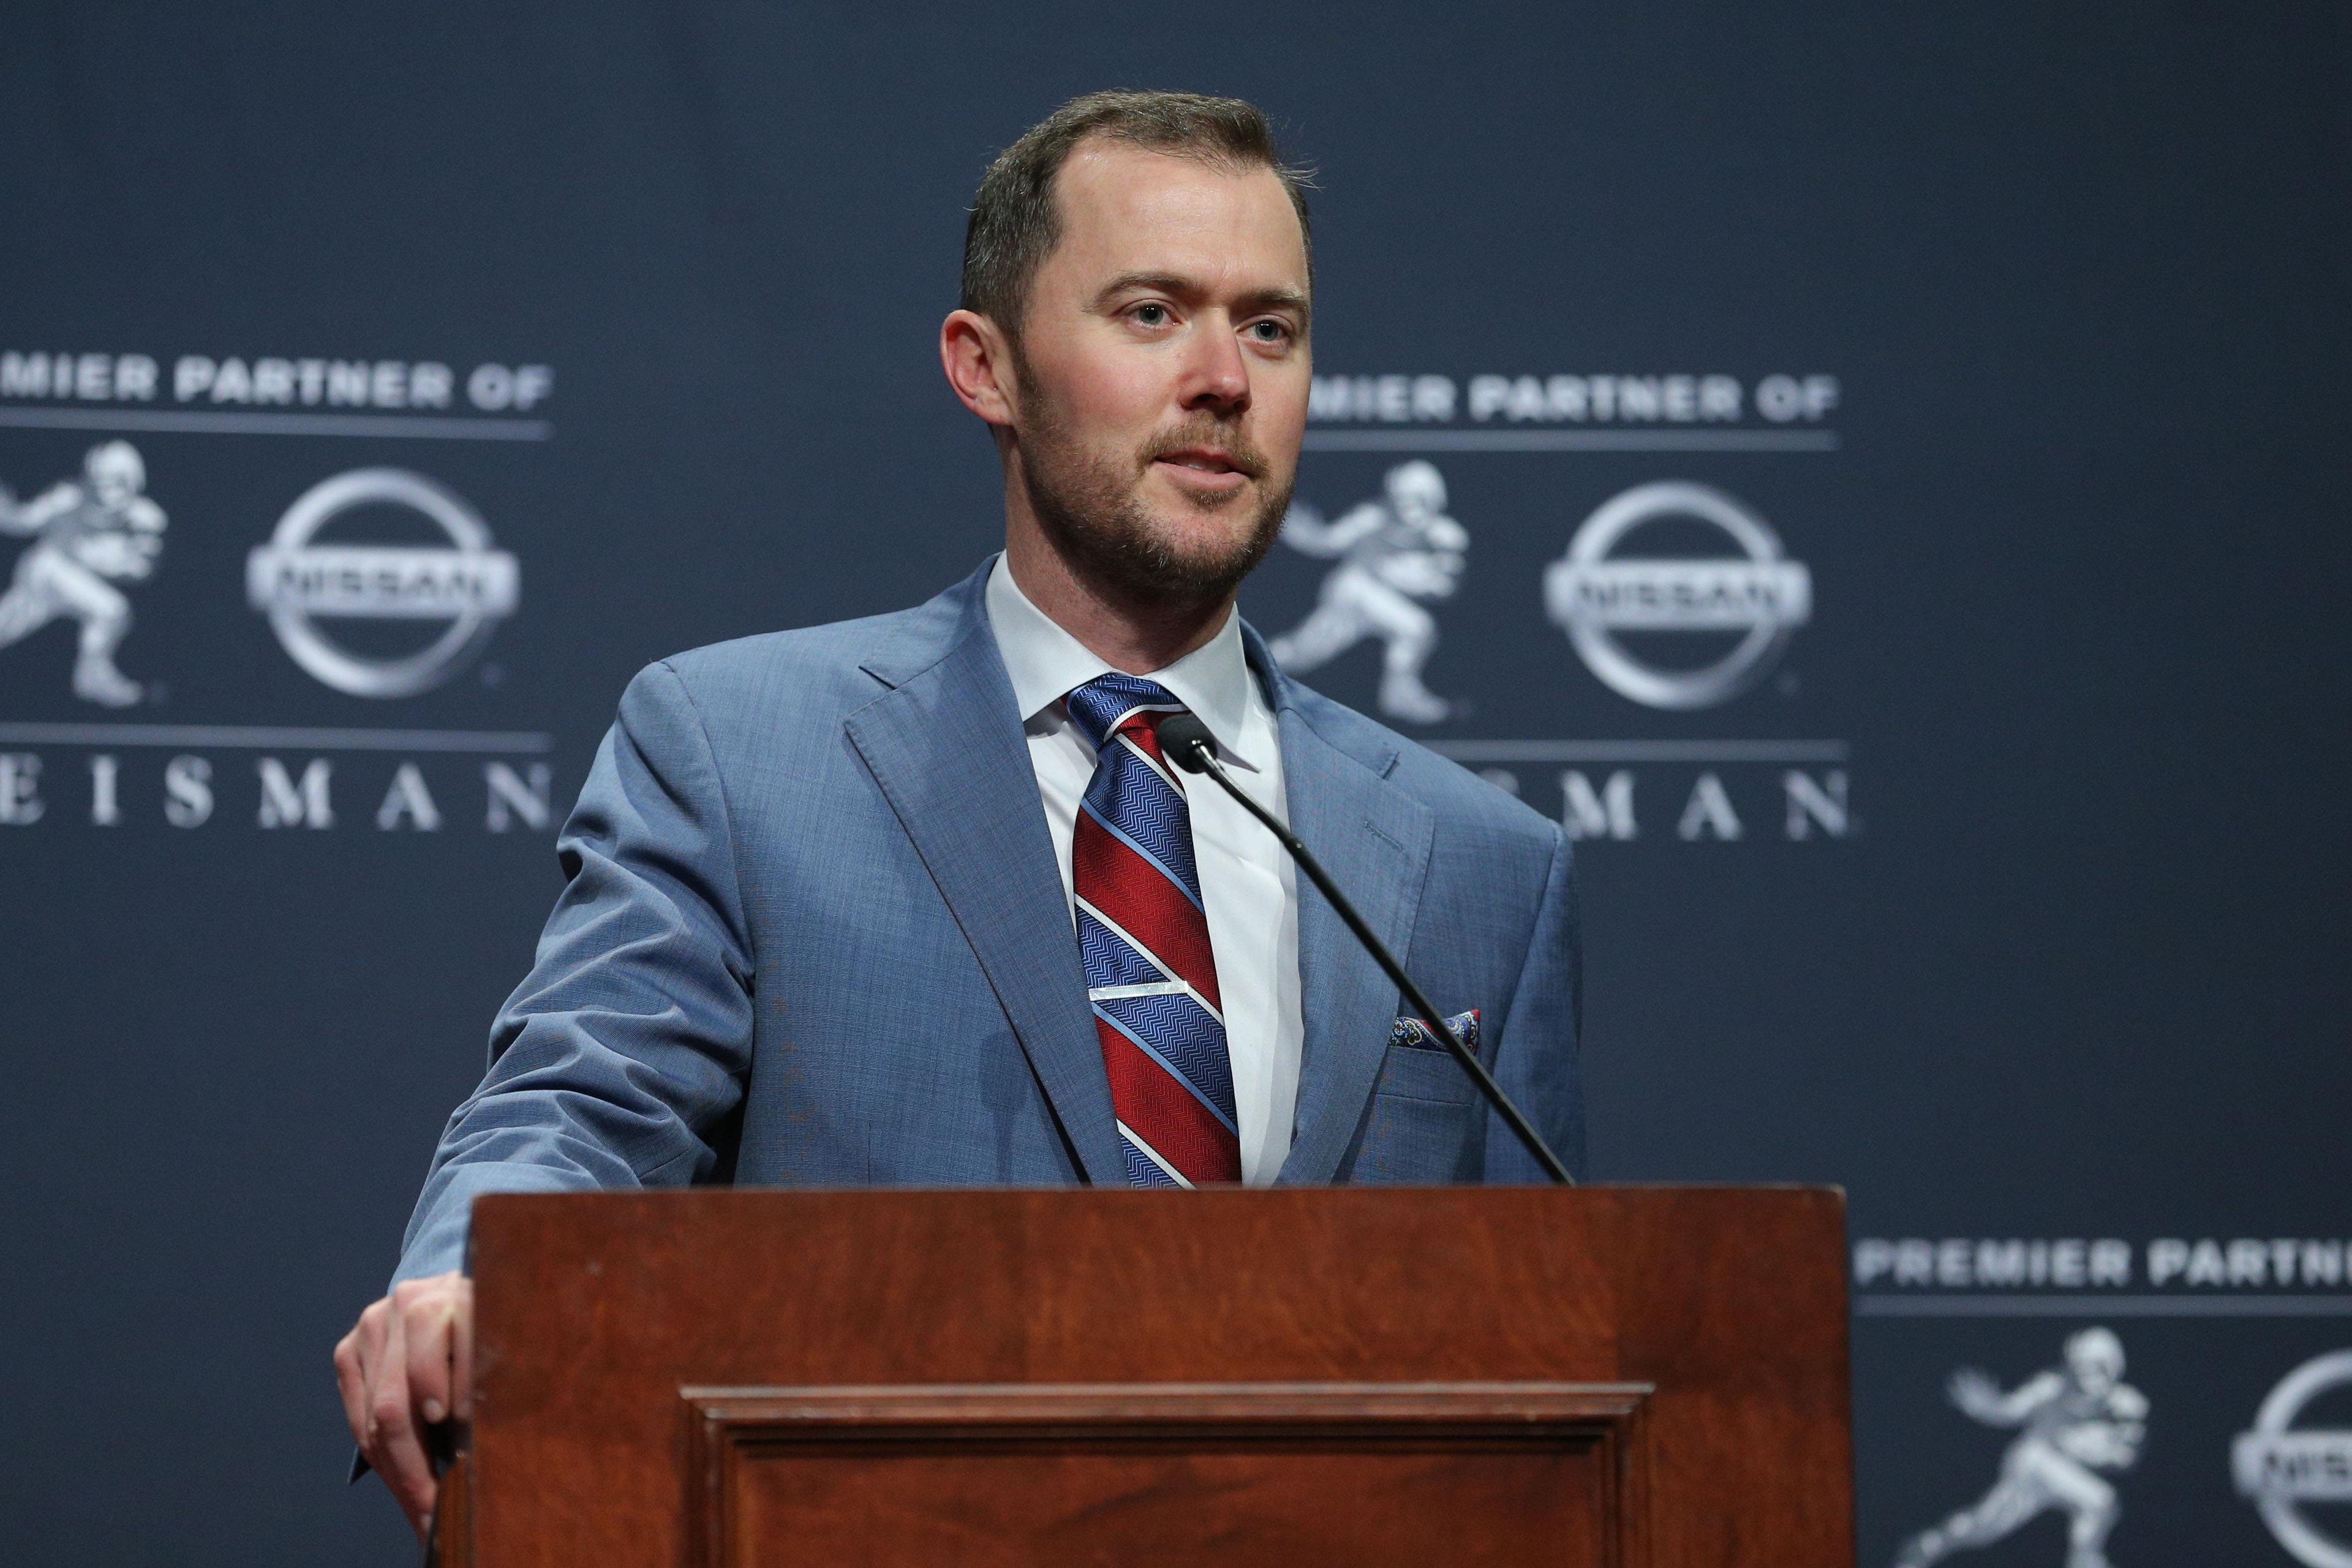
(2036,923)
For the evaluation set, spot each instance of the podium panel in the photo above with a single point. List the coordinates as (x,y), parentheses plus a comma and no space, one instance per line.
(1296,1475)
(1620,1377)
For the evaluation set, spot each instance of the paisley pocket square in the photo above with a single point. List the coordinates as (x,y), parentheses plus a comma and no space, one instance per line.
(1414,1033)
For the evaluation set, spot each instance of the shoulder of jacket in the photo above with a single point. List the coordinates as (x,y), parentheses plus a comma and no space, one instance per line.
(1455,794)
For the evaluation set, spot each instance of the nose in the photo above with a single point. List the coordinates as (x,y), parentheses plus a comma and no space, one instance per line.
(1216,376)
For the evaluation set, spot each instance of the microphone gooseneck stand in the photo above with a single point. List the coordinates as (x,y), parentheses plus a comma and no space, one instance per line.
(1185,738)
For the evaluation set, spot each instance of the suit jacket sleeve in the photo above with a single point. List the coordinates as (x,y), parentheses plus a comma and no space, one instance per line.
(1537,1061)
(628,1041)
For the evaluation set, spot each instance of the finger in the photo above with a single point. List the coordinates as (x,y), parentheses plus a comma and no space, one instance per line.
(355,1367)
(350,1382)
(394,1448)
(425,1330)
(461,1350)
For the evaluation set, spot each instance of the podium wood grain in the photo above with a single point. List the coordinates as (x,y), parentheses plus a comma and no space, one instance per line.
(1634,1377)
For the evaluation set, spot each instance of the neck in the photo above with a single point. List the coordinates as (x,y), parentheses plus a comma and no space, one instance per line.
(1130,634)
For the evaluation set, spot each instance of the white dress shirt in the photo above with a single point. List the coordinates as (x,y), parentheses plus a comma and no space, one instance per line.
(1247,883)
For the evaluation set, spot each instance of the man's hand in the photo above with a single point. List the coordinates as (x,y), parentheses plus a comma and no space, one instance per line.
(407,1365)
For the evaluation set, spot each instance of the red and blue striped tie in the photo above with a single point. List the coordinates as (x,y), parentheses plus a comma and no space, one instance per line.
(1144,934)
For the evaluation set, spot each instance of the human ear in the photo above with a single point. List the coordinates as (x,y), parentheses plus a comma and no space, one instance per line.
(978,360)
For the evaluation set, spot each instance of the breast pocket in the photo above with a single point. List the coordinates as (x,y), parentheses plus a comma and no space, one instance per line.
(1426,1122)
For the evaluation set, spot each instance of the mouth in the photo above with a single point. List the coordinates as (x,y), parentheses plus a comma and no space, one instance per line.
(1204,466)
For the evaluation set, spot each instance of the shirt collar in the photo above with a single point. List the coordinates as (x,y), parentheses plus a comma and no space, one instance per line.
(1046,662)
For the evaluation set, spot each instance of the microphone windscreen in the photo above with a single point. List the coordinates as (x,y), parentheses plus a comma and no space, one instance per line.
(1181,736)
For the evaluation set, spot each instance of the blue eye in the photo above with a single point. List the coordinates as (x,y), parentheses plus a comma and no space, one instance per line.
(1151,315)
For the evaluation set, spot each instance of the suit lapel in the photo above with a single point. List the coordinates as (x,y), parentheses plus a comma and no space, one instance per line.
(945,747)
(1374,839)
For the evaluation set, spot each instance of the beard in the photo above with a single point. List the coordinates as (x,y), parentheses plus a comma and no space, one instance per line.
(1089,506)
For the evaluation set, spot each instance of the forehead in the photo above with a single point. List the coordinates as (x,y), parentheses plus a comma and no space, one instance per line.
(1130,209)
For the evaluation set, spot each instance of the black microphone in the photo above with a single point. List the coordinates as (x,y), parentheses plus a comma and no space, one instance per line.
(1186,739)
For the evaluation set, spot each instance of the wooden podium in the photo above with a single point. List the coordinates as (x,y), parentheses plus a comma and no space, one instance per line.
(1350,1377)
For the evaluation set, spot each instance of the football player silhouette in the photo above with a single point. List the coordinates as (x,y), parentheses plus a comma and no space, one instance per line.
(1393,553)
(90,533)
(2078,1419)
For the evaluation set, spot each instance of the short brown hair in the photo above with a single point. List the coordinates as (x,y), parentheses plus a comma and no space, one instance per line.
(1016,224)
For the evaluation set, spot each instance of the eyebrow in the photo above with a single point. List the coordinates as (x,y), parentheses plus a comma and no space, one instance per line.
(1278,298)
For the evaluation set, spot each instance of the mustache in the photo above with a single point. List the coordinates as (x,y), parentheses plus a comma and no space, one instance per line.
(1207,435)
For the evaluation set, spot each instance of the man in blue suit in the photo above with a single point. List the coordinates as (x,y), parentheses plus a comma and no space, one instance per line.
(918,901)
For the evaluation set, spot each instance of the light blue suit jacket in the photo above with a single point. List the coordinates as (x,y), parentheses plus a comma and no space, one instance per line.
(814,934)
